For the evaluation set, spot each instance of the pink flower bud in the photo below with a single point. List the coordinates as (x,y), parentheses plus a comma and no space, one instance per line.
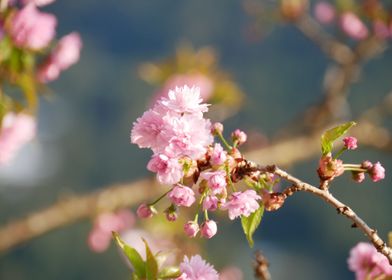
(218,155)
(145,211)
(352,25)
(366,164)
(217,128)
(171,213)
(191,228)
(182,195)
(208,229)
(324,12)
(358,176)
(210,203)
(239,137)
(377,172)
(350,143)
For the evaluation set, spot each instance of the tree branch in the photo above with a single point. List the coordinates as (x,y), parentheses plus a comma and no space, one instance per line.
(343,209)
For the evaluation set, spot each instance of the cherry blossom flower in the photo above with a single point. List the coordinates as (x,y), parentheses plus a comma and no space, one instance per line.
(169,170)
(210,203)
(350,143)
(218,155)
(182,195)
(242,204)
(367,263)
(196,268)
(31,28)
(185,100)
(377,172)
(216,180)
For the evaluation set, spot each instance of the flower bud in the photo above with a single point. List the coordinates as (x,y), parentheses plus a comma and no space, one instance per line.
(208,229)
(191,228)
(210,203)
(377,172)
(350,143)
(218,155)
(171,213)
(358,176)
(239,137)
(366,164)
(145,211)
(217,128)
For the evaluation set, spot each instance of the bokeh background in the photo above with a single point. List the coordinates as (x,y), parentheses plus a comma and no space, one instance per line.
(83,137)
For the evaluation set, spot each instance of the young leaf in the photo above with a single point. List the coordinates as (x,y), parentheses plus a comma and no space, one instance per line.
(133,256)
(151,264)
(332,134)
(169,272)
(250,224)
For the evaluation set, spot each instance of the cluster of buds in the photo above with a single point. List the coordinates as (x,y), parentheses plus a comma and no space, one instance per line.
(199,170)
(331,167)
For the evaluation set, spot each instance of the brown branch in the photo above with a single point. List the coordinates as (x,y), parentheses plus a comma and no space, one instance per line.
(343,209)
(73,209)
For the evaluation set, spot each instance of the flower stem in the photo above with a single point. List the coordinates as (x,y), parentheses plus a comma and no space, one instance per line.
(159,198)
(224,141)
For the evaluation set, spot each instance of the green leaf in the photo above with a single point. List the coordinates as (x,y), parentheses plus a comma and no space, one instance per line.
(169,272)
(133,256)
(332,134)
(151,264)
(250,224)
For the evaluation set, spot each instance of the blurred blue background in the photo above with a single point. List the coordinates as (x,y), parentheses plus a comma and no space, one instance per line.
(83,139)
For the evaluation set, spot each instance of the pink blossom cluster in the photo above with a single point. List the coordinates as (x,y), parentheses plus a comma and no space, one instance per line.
(100,236)
(15,131)
(31,29)
(351,24)
(367,263)
(196,268)
(185,154)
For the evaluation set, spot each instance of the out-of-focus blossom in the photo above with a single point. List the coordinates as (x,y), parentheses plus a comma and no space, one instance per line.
(38,3)
(196,268)
(352,25)
(208,229)
(100,236)
(242,204)
(15,131)
(182,195)
(231,273)
(381,29)
(205,85)
(31,28)
(367,263)
(65,54)
(324,12)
